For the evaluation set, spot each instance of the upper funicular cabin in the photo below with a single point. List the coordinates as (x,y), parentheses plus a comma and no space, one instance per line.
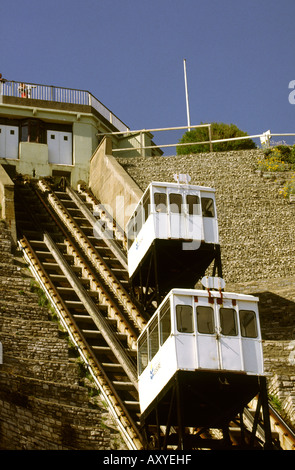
(182,216)
(54,131)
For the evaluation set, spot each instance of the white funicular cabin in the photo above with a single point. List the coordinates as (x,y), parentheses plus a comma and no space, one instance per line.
(200,331)
(177,224)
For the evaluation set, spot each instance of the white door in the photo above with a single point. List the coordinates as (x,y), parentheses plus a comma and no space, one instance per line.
(209,218)
(160,212)
(185,217)
(9,141)
(176,217)
(193,220)
(184,335)
(208,356)
(251,338)
(218,340)
(65,147)
(229,339)
(53,147)
(59,147)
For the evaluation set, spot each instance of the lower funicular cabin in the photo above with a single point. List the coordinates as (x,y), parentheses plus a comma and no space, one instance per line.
(209,342)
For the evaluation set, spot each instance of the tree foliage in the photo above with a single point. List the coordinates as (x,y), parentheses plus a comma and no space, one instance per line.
(218,131)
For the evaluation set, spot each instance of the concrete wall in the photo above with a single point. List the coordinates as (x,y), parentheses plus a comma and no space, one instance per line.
(137,141)
(111,185)
(33,159)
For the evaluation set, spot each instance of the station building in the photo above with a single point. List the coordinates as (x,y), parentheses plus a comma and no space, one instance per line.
(54,131)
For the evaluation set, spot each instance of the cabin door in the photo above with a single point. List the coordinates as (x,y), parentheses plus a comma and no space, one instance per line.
(228,338)
(193,220)
(185,218)
(206,341)
(218,342)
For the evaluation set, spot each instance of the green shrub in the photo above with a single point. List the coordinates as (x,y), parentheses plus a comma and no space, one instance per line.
(218,131)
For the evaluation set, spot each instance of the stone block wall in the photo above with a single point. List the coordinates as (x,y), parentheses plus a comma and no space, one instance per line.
(257,238)
(256,225)
(44,401)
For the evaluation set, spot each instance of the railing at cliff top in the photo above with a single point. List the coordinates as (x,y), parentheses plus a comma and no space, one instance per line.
(60,95)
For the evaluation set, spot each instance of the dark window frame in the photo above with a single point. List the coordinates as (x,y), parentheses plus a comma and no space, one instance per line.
(208,207)
(176,205)
(160,202)
(228,322)
(249,330)
(184,323)
(210,326)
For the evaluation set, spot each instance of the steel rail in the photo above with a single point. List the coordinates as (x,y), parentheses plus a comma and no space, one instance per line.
(100,211)
(116,312)
(125,424)
(279,425)
(286,435)
(91,308)
(93,256)
(122,416)
(97,228)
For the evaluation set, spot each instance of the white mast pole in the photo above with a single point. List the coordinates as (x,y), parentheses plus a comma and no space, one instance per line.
(186,95)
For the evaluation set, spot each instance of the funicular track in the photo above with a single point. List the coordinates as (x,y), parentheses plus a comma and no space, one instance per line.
(79,274)
(80,262)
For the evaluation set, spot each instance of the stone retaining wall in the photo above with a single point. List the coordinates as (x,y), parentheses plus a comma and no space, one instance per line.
(256,225)
(44,403)
(257,237)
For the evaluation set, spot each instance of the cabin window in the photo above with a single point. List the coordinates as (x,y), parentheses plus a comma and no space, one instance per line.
(131,232)
(228,321)
(184,318)
(142,353)
(205,320)
(193,204)
(146,206)
(160,202)
(175,201)
(138,220)
(153,337)
(248,324)
(165,323)
(207,207)
(135,225)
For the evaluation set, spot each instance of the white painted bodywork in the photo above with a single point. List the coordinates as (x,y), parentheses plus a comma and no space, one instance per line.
(190,228)
(202,351)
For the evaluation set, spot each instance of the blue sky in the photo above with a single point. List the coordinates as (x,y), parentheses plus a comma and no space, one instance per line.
(129,54)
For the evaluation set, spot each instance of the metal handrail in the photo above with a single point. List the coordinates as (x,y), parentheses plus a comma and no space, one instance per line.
(60,95)
(210,141)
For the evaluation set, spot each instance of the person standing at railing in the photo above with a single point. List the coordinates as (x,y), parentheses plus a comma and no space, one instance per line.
(23,90)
